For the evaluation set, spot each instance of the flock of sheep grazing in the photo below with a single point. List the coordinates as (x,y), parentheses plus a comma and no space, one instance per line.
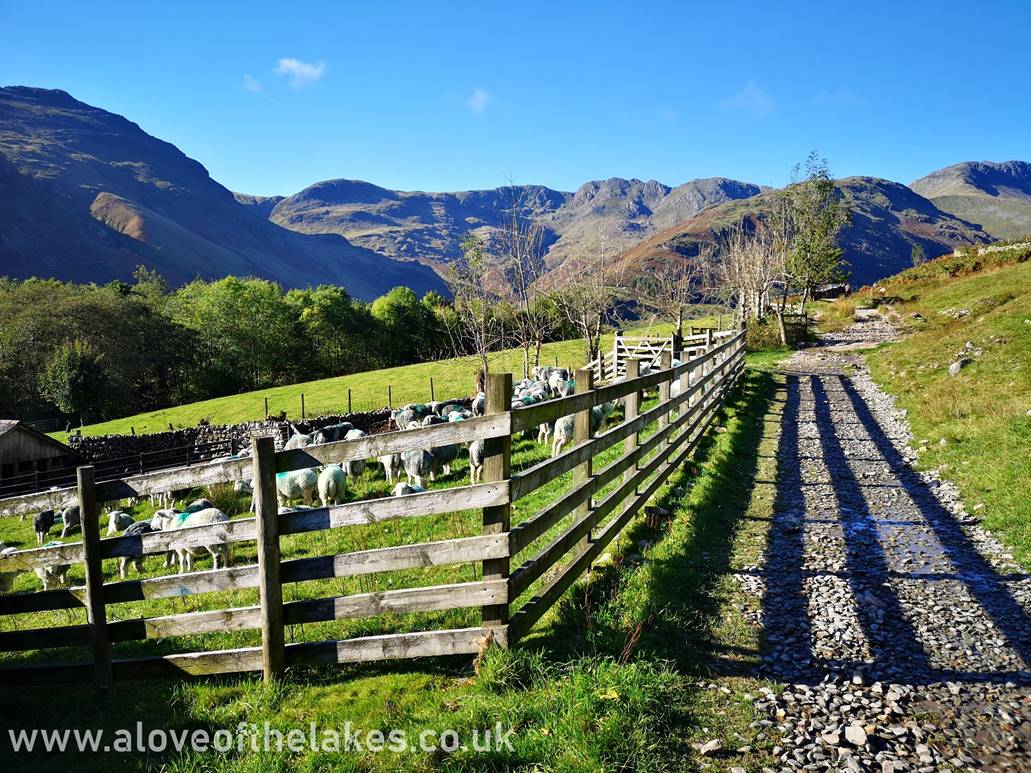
(328,485)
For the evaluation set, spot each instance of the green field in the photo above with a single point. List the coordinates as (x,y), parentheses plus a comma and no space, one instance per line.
(369,391)
(976,426)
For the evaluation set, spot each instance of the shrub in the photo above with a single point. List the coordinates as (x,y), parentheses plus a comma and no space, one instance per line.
(226,498)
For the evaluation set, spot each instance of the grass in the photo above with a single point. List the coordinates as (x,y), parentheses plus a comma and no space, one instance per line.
(975,426)
(408,383)
(616,677)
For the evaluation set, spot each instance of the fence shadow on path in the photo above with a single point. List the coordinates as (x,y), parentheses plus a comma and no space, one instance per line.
(852,513)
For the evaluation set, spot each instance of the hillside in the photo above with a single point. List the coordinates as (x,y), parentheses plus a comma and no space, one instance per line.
(996,196)
(975,425)
(601,216)
(87,195)
(888,219)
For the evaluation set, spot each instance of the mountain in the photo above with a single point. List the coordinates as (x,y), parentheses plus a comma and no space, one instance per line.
(600,217)
(996,196)
(87,195)
(888,220)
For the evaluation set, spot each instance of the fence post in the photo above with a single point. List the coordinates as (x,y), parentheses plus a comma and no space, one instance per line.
(665,363)
(497,466)
(433,397)
(270,587)
(302,406)
(96,613)
(266,408)
(349,401)
(390,396)
(632,407)
(615,356)
(581,434)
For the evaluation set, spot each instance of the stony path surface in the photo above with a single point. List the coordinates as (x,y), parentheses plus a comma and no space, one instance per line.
(899,629)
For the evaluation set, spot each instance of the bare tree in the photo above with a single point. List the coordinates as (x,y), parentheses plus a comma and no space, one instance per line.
(673,286)
(588,296)
(519,246)
(480,329)
(749,266)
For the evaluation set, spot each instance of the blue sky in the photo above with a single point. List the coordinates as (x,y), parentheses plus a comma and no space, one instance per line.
(449,96)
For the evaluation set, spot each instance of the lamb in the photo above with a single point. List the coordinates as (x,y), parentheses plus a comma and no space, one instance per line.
(354,467)
(118,521)
(53,575)
(418,464)
(563,432)
(42,524)
(391,466)
(403,489)
(332,485)
(476,456)
(206,517)
(297,484)
(134,529)
(71,519)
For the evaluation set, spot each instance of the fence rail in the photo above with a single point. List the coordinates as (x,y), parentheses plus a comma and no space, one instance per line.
(600,502)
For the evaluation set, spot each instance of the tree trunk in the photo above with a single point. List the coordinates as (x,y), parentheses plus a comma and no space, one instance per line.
(526,359)
(537,344)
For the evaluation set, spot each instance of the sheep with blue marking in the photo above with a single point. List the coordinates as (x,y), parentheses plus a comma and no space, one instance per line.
(418,464)
(219,551)
(297,484)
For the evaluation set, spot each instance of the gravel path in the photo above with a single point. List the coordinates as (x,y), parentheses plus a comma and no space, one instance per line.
(898,628)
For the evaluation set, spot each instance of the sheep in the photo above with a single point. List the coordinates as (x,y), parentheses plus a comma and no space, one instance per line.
(160,521)
(403,489)
(54,574)
(418,463)
(563,431)
(245,487)
(479,405)
(297,484)
(332,433)
(135,529)
(7,578)
(197,505)
(476,455)
(297,440)
(332,485)
(354,467)
(391,466)
(206,517)
(442,458)
(118,521)
(432,421)
(42,523)
(404,417)
(71,519)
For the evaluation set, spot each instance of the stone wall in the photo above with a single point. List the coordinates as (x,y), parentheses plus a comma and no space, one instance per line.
(103,448)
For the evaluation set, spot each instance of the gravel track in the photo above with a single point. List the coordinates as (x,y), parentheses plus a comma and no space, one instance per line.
(898,628)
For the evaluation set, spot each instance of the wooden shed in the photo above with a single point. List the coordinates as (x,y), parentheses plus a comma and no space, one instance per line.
(26,452)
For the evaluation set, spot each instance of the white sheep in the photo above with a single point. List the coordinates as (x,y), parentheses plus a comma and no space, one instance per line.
(54,574)
(354,467)
(391,466)
(207,517)
(332,485)
(403,489)
(118,521)
(476,454)
(297,484)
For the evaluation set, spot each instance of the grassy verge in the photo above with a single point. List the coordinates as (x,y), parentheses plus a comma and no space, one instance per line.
(617,677)
(975,425)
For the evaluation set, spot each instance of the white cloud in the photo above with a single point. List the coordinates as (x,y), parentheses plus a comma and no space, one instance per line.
(301,73)
(751,99)
(478,100)
(251,84)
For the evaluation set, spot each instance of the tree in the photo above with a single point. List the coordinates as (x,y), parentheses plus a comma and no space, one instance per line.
(917,255)
(675,284)
(816,213)
(341,335)
(74,380)
(749,266)
(480,328)
(519,246)
(409,326)
(588,297)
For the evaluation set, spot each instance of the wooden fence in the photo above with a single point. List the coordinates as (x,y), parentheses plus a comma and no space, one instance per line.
(515,565)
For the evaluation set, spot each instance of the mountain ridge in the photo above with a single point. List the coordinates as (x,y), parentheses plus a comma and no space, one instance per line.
(93,196)
(993,194)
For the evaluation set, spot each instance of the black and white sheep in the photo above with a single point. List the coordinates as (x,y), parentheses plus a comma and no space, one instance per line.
(42,523)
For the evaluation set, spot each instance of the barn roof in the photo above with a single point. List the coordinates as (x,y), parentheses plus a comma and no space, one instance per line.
(9,425)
